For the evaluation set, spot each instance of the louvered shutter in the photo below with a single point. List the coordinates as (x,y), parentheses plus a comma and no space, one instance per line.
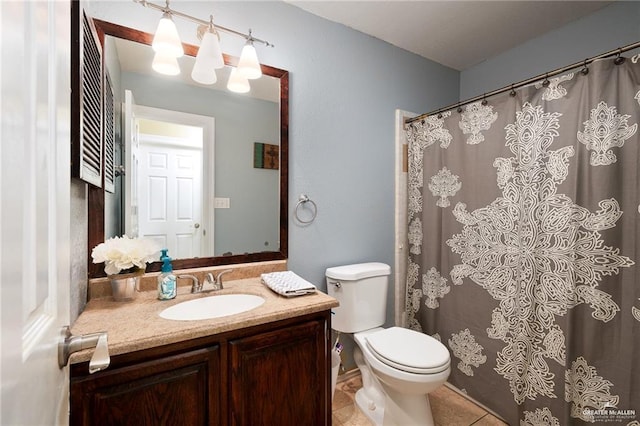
(87,154)
(109,133)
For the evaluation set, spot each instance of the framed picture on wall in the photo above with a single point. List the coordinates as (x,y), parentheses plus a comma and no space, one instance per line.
(266,156)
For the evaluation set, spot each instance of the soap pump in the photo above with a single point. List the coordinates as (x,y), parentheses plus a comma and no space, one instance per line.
(166,280)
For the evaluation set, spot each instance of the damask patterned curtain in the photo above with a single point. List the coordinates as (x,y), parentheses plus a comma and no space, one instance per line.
(524,236)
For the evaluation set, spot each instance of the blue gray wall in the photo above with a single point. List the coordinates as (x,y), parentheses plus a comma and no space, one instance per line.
(607,29)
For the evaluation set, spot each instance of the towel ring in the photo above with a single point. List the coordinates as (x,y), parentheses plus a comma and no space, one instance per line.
(303,199)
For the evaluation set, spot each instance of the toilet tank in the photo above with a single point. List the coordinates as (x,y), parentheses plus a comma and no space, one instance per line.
(361,290)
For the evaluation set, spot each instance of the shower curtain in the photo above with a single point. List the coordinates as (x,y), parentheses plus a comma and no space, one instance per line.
(524,236)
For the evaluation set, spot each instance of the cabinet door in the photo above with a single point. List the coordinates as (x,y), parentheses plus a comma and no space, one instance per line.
(175,390)
(281,377)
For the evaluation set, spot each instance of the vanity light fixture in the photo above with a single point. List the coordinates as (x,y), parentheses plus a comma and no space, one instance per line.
(237,82)
(168,48)
(209,57)
(248,65)
(166,40)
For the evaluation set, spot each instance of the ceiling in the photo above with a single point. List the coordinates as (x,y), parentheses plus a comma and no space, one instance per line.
(458,34)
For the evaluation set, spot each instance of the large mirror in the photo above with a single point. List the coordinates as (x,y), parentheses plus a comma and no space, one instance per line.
(204,170)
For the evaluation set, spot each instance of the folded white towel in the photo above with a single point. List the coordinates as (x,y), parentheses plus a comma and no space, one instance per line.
(287,283)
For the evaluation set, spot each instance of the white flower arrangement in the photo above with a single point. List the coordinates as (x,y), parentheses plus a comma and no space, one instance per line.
(125,254)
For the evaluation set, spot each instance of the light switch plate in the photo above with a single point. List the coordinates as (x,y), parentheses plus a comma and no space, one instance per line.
(221,203)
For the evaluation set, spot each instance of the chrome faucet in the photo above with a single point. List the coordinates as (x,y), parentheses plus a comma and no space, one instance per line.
(215,281)
(196,286)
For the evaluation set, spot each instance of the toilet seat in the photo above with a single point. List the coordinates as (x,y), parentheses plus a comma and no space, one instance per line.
(408,350)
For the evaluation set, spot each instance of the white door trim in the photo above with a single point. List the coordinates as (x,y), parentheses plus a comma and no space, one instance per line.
(400,248)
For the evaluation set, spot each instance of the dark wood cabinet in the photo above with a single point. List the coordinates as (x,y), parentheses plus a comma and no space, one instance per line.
(273,374)
(278,377)
(175,390)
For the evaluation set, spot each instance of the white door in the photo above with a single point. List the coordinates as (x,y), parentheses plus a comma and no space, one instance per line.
(170,195)
(131,162)
(203,225)
(34,209)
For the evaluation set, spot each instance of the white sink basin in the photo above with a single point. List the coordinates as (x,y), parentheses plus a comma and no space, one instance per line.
(212,307)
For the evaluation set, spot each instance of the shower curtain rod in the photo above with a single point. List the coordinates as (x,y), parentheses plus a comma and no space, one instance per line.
(546,75)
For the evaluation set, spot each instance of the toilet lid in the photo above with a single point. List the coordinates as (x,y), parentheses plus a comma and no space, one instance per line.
(409,350)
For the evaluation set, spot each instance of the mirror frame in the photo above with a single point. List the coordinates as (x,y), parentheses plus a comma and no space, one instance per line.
(96,197)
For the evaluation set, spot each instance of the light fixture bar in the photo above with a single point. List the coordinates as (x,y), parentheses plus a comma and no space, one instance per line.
(173,12)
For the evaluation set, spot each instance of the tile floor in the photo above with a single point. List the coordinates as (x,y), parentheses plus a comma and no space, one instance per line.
(449,408)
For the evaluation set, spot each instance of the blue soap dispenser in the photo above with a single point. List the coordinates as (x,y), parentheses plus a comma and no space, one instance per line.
(167,287)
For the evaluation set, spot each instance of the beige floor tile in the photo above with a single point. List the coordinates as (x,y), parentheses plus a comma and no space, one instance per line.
(341,398)
(352,416)
(451,409)
(352,384)
(345,409)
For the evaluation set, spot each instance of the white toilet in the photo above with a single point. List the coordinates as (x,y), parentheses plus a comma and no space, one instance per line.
(399,366)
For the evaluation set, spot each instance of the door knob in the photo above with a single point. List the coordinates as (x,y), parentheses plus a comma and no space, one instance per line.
(69,344)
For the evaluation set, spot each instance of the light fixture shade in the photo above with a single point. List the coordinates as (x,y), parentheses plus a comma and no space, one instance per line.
(210,48)
(165,64)
(248,64)
(203,72)
(208,60)
(237,82)
(166,39)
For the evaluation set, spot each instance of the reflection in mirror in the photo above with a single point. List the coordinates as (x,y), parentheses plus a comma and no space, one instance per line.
(193,156)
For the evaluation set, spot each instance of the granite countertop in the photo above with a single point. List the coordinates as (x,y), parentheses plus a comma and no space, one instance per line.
(136,325)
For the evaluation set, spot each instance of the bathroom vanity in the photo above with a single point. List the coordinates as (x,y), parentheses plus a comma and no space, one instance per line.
(267,366)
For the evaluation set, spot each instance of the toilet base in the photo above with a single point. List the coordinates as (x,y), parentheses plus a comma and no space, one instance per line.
(395,400)
(370,398)
(385,406)
(406,410)
(415,411)
(374,412)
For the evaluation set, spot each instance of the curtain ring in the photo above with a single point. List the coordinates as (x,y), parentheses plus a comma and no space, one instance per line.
(585,69)
(546,81)
(303,199)
(439,116)
(512,93)
(459,108)
(484,100)
(619,59)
